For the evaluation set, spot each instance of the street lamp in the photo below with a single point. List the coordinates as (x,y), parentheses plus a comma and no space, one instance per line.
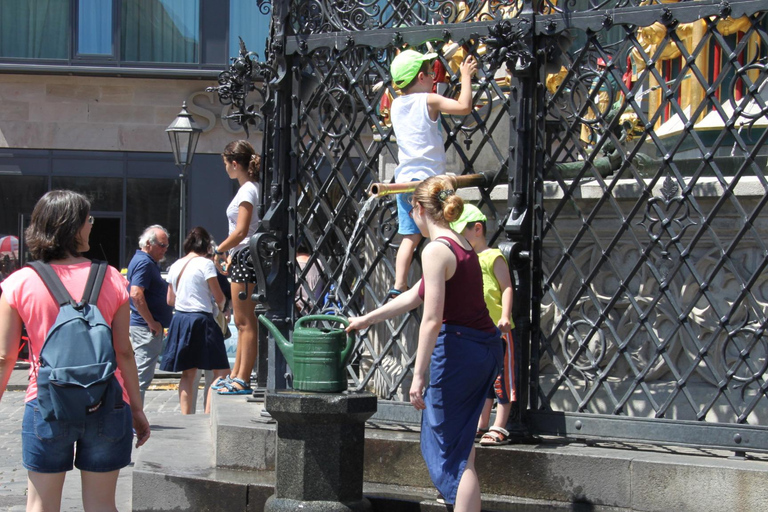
(183,133)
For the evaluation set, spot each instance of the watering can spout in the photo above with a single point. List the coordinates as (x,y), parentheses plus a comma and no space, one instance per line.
(285,346)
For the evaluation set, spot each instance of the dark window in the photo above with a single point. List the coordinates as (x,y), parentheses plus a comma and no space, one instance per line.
(185,34)
(105,194)
(34,29)
(18,195)
(152,202)
(160,30)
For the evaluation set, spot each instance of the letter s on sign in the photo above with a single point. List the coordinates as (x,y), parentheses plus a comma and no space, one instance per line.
(199,111)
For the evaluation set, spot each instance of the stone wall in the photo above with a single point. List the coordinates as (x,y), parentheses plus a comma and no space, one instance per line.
(107,113)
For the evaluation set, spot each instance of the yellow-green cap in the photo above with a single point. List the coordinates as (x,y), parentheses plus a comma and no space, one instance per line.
(470,214)
(406,66)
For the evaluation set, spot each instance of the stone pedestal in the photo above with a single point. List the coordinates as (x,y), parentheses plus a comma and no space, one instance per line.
(320,444)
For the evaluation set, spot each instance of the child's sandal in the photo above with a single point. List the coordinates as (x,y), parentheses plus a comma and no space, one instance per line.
(480,433)
(496,436)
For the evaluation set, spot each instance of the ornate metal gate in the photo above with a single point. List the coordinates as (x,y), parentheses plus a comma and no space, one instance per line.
(623,144)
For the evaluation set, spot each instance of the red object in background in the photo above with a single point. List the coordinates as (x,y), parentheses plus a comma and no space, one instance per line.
(385,103)
(9,245)
(627,76)
(441,74)
(24,347)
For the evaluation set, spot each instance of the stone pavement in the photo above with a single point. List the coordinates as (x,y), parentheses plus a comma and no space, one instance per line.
(161,401)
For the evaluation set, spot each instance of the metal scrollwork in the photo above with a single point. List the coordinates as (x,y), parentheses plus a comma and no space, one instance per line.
(585,352)
(507,45)
(754,105)
(745,348)
(321,16)
(265,6)
(668,214)
(237,82)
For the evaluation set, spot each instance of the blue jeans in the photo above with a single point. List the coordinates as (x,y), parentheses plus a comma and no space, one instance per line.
(103,441)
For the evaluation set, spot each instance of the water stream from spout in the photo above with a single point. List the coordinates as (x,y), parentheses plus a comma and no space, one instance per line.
(367,205)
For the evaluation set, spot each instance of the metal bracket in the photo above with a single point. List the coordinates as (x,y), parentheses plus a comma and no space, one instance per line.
(265,248)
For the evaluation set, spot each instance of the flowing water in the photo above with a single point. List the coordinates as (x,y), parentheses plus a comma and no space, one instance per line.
(367,205)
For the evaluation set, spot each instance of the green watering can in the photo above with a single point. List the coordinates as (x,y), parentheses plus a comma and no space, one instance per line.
(318,355)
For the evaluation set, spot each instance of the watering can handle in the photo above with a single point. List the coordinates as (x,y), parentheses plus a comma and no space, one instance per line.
(318,318)
(332,318)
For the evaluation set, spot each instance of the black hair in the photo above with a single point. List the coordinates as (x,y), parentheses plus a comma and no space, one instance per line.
(198,241)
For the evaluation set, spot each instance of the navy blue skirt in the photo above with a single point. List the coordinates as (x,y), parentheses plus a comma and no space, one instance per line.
(194,341)
(464,364)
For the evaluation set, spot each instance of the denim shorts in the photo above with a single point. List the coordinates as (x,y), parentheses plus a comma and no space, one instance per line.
(406,224)
(103,441)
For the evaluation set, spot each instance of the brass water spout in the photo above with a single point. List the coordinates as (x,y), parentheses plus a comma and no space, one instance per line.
(482,179)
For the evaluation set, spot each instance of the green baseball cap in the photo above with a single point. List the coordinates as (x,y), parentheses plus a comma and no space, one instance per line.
(406,66)
(470,214)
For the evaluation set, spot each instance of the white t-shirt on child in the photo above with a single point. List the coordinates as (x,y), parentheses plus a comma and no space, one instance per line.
(193,294)
(421,153)
(248,193)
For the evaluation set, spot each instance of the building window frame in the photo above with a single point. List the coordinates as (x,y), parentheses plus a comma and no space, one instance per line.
(76,55)
(212,56)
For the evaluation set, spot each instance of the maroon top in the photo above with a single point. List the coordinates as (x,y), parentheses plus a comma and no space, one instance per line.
(464,302)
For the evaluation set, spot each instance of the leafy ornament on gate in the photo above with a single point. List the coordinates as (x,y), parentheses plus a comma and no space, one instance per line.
(667,215)
(507,44)
(238,81)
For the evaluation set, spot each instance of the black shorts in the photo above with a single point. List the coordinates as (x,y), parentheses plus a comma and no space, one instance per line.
(241,270)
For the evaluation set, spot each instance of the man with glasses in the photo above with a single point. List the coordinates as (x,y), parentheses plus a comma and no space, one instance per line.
(150,312)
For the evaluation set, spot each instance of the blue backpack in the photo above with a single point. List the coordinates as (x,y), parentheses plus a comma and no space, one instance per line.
(76,372)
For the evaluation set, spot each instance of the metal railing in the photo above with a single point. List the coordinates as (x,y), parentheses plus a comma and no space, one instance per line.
(625,145)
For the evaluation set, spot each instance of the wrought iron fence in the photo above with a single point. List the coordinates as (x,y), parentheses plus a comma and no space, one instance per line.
(625,143)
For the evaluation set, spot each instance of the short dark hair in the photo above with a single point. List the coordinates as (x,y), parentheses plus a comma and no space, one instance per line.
(426,67)
(56,221)
(198,241)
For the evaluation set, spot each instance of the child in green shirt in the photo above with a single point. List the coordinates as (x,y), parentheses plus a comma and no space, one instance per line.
(498,293)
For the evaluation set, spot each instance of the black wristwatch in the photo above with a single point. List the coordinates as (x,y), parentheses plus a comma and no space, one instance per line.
(217,252)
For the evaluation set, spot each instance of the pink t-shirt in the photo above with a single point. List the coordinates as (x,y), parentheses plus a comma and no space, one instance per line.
(28,295)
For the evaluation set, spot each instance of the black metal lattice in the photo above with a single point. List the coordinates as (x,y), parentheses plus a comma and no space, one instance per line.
(627,143)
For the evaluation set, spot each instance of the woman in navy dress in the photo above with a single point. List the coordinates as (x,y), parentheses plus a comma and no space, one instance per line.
(458,341)
(194,340)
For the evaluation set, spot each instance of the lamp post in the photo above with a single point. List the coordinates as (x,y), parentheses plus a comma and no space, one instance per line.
(183,133)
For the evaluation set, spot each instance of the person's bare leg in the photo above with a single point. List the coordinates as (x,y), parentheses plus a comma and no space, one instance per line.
(187,395)
(403,260)
(468,494)
(247,334)
(238,357)
(209,391)
(502,415)
(485,416)
(99,491)
(44,491)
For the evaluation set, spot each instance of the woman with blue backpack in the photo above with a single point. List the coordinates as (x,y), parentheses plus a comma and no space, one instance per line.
(83,401)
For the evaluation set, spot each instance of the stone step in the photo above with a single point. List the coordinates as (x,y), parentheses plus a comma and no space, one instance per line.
(192,466)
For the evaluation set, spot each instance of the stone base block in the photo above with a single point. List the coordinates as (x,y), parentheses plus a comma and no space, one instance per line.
(275,504)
